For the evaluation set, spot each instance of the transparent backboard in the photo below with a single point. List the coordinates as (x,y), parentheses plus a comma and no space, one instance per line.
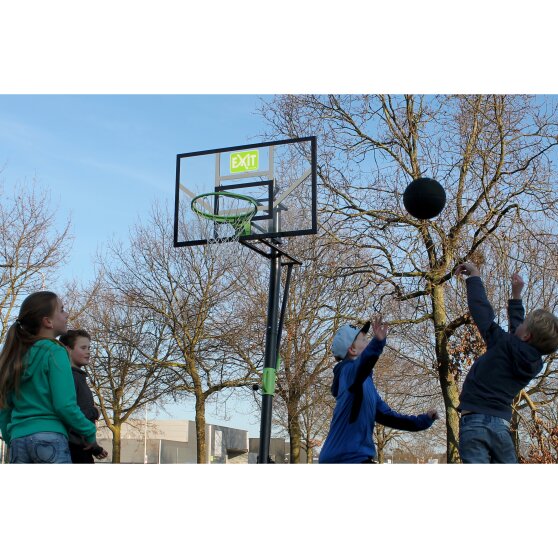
(278,179)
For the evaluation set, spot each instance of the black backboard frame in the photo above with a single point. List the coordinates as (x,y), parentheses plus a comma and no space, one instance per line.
(256,236)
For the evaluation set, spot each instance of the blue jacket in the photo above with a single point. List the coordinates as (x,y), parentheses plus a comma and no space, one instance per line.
(508,364)
(352,441)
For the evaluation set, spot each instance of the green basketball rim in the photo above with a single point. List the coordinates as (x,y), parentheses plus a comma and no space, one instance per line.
(241,216)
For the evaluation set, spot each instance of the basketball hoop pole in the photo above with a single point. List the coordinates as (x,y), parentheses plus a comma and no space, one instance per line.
(270,356)
(272,344)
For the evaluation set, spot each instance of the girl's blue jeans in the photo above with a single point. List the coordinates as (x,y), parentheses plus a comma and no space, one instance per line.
(41,447)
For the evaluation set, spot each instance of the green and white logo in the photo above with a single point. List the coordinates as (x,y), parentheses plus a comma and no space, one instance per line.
(244,161)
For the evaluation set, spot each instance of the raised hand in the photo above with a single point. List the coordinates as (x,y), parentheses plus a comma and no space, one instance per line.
(517,285)
(380,328)
(467,268)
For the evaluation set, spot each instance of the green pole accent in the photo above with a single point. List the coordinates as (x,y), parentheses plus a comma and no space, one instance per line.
(268,381)
(247,228)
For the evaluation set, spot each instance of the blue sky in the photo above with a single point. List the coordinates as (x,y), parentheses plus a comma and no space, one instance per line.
(106,158)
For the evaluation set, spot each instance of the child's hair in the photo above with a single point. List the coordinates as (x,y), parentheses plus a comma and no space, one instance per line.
(70,337)
(543,327)
(21,335)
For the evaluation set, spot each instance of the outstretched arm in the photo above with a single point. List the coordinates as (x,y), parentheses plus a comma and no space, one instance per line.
(367,360)
(479,306)
(388,417)
(516,311)
(370,355)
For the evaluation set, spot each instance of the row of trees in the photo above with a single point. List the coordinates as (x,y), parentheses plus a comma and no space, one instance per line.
(170,324)
(30,245)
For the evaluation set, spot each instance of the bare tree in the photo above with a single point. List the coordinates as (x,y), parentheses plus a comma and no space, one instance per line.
(493,154)
(31,248)
(190,293)
(542,433)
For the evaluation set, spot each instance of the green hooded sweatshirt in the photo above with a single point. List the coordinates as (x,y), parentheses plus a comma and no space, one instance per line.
(47,396)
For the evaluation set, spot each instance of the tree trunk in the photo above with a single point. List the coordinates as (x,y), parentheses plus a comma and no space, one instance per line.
(200,429)
(309,453)
(514,426)
(294,439)
(381,441)
(450,392)
(116,443)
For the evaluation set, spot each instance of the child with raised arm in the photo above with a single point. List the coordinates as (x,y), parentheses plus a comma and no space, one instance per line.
(512,359)
(358,404)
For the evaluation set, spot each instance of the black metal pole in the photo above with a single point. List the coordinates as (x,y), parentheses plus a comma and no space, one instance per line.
(270,357)
(284,306)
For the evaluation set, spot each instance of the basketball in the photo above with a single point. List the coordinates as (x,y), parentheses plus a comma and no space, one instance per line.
(424,198)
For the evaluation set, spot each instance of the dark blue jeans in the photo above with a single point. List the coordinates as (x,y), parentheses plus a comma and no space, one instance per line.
(41,447)
(485,439)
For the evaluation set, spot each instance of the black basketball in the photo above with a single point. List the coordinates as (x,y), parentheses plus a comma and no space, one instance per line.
(424,198)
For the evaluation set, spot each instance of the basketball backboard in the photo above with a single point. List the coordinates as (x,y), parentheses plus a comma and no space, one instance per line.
(272,182)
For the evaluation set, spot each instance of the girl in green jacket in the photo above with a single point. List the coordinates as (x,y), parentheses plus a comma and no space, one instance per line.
(37,395)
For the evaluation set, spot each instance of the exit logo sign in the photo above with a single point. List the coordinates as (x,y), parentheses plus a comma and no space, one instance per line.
(244,161)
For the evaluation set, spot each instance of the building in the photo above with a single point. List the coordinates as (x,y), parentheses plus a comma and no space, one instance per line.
(174,441)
